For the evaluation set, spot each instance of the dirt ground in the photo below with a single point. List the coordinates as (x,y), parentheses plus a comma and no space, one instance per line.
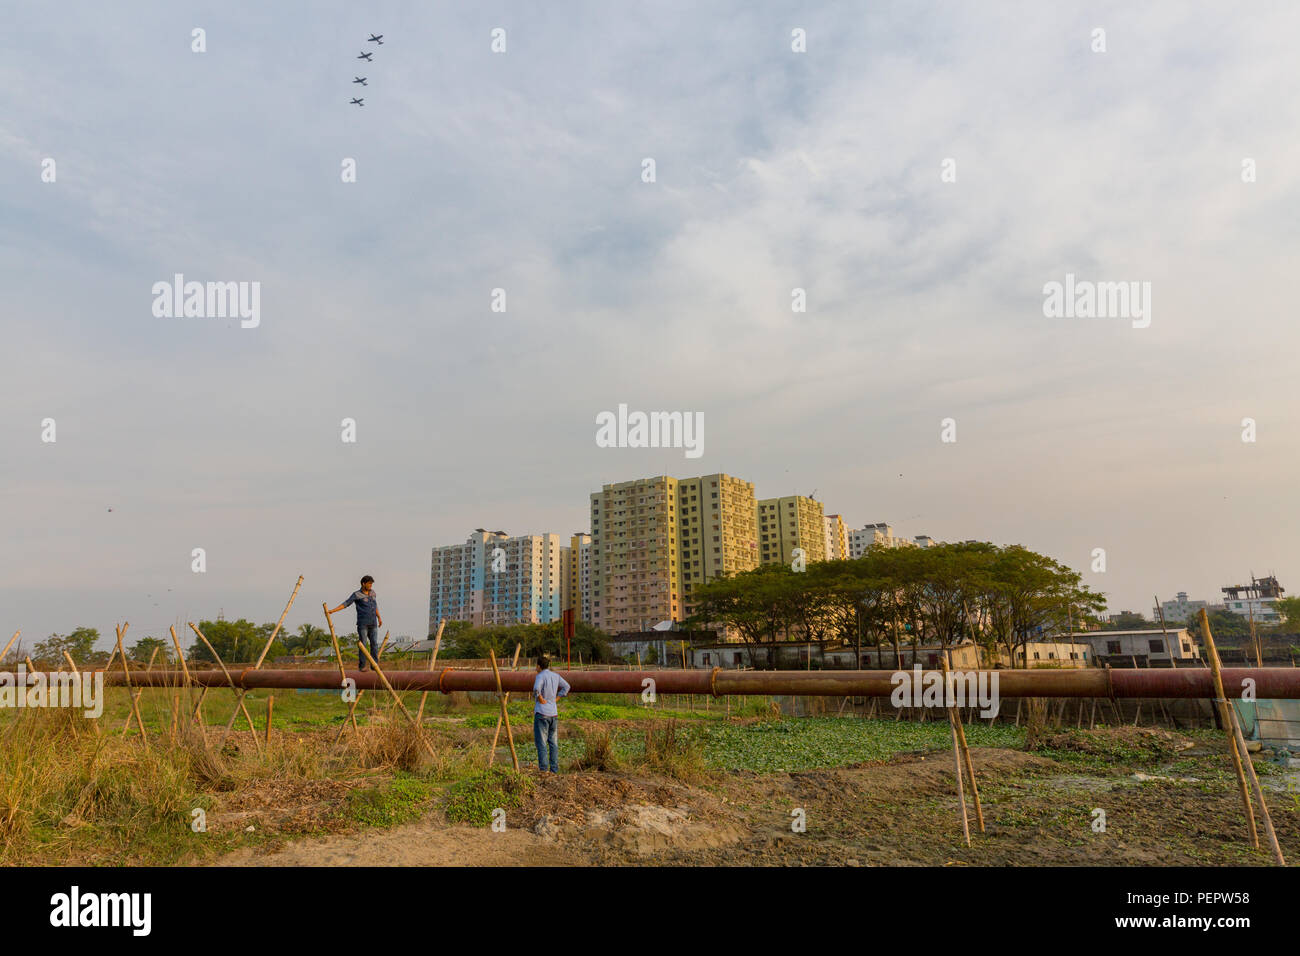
(900,812)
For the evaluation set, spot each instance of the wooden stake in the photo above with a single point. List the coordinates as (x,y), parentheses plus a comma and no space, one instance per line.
(261,657)
(185,670)
(409,716)
(148,667)
(1240,743)
(5,652)
(437,642)
(961,795)
(1220,699)
(352,710)
(338,656)
(270,706)
(514,757)
(127,671)
(497,736)
(252,728)
(955,716)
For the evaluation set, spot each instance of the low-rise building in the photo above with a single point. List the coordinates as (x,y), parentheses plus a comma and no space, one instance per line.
(1142,648)
(1178,611)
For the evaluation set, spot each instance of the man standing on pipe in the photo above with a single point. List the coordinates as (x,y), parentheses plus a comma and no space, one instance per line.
(369,620)
(548,687)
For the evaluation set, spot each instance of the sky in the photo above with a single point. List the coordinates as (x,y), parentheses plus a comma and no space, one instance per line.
(921,170)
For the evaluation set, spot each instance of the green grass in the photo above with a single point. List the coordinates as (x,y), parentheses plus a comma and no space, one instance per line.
(473,800)
(806,743)
(403,798)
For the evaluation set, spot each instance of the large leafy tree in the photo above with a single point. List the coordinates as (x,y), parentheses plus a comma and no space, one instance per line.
(943,594)
(79,645)
(236,641)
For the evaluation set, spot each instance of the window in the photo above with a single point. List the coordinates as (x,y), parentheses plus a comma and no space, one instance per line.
(1112,647)
(1156,646)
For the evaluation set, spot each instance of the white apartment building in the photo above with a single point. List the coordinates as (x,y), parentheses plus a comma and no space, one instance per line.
(496,579)
(1179,610)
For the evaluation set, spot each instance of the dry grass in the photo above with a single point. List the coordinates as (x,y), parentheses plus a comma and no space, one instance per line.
(74,792)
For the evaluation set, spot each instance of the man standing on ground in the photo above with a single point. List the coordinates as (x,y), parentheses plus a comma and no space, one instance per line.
(369,620)
(548,687)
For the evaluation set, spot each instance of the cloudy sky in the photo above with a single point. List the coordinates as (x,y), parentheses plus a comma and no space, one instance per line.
(522,171)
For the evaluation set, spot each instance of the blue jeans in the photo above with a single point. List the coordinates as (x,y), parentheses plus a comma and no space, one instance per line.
(545,732)
(370,633)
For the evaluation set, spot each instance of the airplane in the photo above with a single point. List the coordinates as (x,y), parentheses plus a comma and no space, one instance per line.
(364,56)
(359,79)
(376,39)
(358,102)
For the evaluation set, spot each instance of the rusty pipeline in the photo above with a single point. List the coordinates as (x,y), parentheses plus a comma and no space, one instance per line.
(1184,682)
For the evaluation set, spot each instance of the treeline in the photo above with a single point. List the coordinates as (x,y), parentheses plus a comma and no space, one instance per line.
(238,641)
(461,640)
(998,596)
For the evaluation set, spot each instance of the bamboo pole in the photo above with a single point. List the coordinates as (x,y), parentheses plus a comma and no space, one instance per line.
(1221,700)
(239,701)
(270,706)
(514,757)
(180,656)
(148,667)
(433,658)
(126,670)
(5,652)
(397,697)
(497,736)
(338,656)
(261,657)
(961,796)
(352,709)
(1240,740)
(954,716)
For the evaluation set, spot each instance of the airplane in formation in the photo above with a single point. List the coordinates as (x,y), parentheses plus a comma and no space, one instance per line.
(360,102)
(376,39)
(364,56)
(359,79)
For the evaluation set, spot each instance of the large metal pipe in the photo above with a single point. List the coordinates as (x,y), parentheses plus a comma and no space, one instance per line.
(1268,682)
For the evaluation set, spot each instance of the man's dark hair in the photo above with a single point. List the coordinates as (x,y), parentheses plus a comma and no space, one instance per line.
(543,662)
(367,580)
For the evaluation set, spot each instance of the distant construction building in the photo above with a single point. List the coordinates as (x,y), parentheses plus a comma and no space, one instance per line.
(654,540)
(495,579)
(1256,600)
(785,524)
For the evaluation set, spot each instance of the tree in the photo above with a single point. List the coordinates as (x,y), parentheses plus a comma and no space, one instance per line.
(465,641)
(79,645)
(236,641)
(308,638)
(1289,608)
(1127,621)
(142,650)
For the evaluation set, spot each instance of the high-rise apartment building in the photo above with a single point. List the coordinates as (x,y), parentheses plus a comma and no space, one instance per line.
(654,540)
(837,538)
(784,524)
(495,579)
(575,586)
